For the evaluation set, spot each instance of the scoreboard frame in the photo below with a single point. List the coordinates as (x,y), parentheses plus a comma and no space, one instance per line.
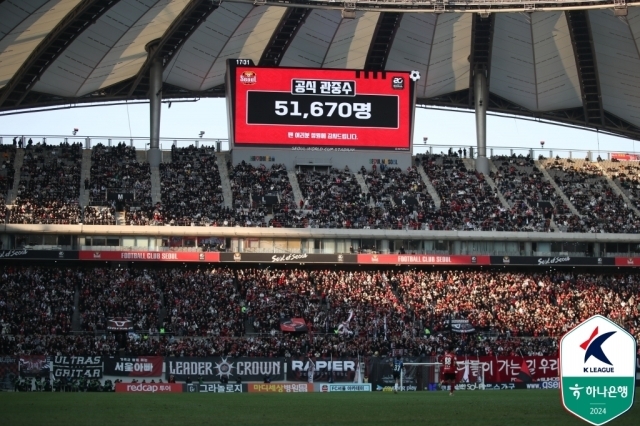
(318,109)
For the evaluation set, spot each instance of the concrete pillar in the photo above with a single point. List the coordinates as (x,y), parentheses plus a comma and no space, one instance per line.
(154,155)
(596,249)
(481,100)
(528,248)
(384,246)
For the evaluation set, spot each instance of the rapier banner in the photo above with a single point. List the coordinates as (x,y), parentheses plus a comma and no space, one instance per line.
(324,369)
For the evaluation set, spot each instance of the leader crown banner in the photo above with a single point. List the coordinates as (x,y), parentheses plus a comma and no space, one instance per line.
(597,370)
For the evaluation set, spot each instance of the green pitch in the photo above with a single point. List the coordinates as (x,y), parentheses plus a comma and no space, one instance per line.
(477,408)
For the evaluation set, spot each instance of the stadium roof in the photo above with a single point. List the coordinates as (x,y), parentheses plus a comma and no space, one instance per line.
(574,62)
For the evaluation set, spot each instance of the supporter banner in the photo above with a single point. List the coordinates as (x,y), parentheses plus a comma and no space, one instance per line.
(9,370)
(507,369)
(213,368)
(293,325)
(287,258)
(34,366)
(324,370)
(149,387)
(462,326)
(496,370)
(155,256)
(77,366)
(267,200)
(422,259)
(38,254)
(364,387)
(280,387)
(406,201)
(214,388)
(552,261)
(146,366)
(624,157)
(119,324)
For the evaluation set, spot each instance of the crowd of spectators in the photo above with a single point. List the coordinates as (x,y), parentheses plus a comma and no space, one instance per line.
(119,293)
(99,215)
(232,311)
(627,176)
(49,185)
(254,188)
(332,199)
(37,301)
(601,209)
(117,168)
(191,187)
(204,302)
(7,173)
(468,203)
(533,200)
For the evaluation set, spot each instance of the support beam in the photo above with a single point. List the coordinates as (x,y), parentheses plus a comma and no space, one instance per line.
(53,45)
(282,36)
(155,103)
(191,17)
(580,31)
(386,29)
(481,96)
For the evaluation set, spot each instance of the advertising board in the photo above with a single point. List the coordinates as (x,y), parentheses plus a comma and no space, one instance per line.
(306,108)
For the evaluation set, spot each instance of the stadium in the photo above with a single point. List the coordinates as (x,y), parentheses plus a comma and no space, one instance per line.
(316,244)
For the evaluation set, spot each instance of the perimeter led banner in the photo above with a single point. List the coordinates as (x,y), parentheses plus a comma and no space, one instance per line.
(320,109)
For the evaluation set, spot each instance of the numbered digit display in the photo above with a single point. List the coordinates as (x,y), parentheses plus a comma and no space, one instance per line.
(290,107)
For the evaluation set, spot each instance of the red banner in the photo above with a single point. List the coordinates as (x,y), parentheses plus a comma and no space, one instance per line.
(423,259)
(280,387)
(507,369)
(627,261)
(149,387)
(154,256)
(624,157)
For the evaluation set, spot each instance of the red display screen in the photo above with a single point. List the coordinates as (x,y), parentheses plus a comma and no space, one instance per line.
(308,108)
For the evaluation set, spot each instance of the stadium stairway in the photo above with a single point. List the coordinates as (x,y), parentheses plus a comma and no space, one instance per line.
(156,189)
(293,180)
(564,197)
(471,166)
(121,218)
(85,173)
(614,186)
(221,161)
(363,186)
(17,165)
(76,320)
(430,188)
(141,156)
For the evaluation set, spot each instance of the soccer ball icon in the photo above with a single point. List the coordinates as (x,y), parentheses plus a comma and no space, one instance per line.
(415,75)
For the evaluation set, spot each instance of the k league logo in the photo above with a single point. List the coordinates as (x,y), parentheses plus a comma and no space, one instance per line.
(597,370)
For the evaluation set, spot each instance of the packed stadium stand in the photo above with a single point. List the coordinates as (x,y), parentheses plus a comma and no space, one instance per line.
(116,168)
(259,192)
(237,311)
(191,188)
(49,185)
(601,208)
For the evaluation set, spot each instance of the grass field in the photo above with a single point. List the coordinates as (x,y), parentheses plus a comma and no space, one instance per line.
(517,408)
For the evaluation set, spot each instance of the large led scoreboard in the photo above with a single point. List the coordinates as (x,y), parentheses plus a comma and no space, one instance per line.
(308,108)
